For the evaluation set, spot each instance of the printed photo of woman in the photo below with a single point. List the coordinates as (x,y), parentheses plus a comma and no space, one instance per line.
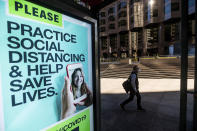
(77,97)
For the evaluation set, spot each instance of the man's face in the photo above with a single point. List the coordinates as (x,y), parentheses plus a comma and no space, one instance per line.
(137,70)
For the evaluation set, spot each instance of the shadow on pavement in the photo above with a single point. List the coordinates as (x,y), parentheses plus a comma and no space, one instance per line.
(162,112)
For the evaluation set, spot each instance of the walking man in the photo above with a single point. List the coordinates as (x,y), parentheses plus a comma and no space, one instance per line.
(134,91)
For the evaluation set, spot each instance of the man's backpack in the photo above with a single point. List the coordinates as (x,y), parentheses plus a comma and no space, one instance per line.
(127,85)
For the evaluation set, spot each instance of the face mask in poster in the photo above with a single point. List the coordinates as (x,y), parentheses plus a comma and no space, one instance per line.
(45,70)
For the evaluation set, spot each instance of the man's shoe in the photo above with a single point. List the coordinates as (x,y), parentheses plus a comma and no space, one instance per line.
(122,107)
(141,109)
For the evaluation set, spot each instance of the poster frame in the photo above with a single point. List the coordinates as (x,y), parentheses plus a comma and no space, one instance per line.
(95,57)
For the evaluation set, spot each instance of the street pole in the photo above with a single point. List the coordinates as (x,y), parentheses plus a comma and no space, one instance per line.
(195,77)
(184,65)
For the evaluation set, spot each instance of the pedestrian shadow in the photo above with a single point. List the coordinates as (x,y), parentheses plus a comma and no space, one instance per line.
(162,112)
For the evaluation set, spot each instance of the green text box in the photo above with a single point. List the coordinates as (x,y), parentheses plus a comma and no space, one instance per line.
(35,12)
(79,122)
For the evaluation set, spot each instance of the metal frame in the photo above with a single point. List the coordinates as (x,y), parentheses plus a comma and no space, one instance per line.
(97,107)
(184,65)
(184,69)
(195,77)
(95,56)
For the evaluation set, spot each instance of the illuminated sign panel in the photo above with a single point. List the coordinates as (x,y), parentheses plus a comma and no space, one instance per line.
(46,80)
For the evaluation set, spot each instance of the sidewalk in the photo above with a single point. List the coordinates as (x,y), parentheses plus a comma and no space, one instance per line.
(160,98)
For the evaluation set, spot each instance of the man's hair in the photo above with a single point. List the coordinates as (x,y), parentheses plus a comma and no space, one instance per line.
(135,67)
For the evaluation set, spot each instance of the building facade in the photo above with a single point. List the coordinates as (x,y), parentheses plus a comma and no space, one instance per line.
(114,29)
(143,28)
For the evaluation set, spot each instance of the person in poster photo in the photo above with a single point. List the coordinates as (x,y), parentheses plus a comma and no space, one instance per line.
(79,89)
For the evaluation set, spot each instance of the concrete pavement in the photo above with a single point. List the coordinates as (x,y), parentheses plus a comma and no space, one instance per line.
(160,98)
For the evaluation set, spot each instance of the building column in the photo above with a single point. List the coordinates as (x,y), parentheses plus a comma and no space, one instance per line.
(161,39)
(118,45)
(144,53)
(108,47)
(101,51)
(130,44)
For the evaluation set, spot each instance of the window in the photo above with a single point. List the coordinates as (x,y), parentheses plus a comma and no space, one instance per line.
(191,31)
(132,1)
(102,22)
(152,35)
(113,41)
(155,13)
(104,43)
(155,34)
(131,10)
(122,14)
(102,29)
(167,30)
(167,11)
(122,5)
(111,10)
(111,18)
(102,14)
(136,8)
(132,20)
(124,40)
(175,31)
(191,6)
(175,6)
(145,12)
(191,27)
(140,39)
(112,26)
(122,23)
(167,2)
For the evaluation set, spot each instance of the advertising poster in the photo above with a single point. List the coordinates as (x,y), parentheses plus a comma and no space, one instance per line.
(45,69)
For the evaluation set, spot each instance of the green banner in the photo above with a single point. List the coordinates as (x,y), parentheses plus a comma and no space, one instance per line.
(35,12)
(80,122)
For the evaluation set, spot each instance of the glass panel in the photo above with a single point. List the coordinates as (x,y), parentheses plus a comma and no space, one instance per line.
(175,6)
